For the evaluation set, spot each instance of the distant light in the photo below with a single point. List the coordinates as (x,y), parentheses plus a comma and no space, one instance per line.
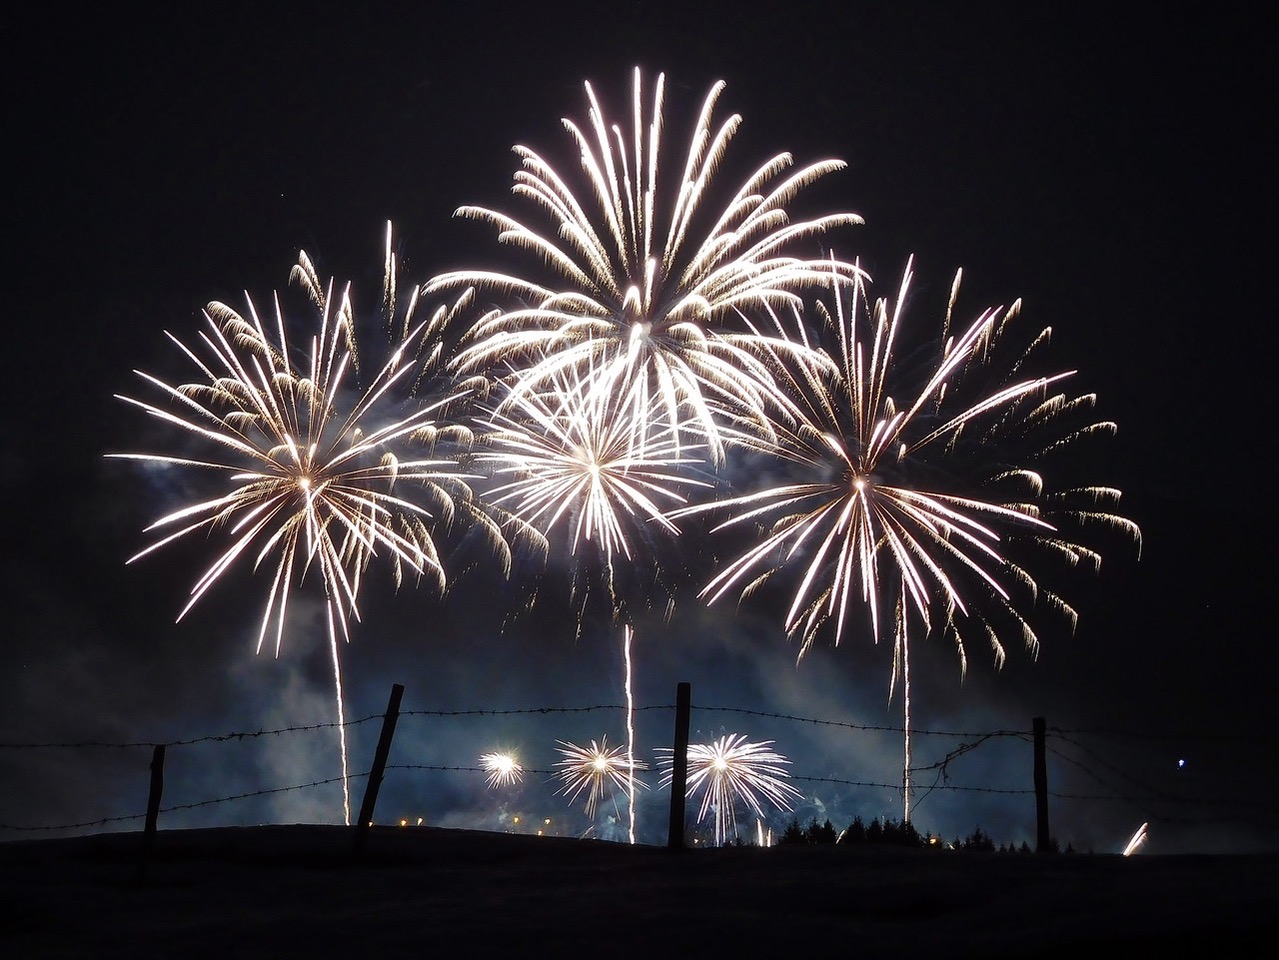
(1180,764)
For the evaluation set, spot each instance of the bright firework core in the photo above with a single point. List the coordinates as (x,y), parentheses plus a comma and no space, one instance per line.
(502,768)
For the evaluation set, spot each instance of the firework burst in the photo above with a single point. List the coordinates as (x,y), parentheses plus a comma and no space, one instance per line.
(657,293)
(503,769)
(311,472)
(920,495)
(569,455)
(596,769)
(729,771)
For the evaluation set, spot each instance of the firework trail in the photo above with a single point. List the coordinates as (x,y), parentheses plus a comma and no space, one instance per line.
(308,472)
(729,771)
(1136,841)
(656,293)
(763,838)
(916,494)
(595,769)
(568,454)
(502,769)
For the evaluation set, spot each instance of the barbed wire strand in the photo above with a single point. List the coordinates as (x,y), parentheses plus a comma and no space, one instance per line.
(1067,736)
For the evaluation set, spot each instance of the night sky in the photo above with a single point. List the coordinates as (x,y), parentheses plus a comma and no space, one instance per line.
(1117,175)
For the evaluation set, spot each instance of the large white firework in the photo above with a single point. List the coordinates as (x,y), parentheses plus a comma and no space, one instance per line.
(308,472)
(730,771)
(659,294)
(922,492)
(598,770)
(569,457)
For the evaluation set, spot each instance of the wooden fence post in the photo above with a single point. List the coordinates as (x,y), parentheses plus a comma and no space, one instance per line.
(1043,839)
(679,767)
(379,766)
(153,808)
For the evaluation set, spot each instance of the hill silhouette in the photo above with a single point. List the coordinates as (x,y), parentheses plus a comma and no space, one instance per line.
(301,890)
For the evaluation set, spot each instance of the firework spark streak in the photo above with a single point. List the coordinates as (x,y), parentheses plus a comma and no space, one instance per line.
(729,771)
(594,769)
(657,292)
(1136,841)
(309,477)
(909,493)
(502,769)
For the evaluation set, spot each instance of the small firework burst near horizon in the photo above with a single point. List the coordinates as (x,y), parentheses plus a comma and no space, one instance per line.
(598,770)
(729,771)
(503,769)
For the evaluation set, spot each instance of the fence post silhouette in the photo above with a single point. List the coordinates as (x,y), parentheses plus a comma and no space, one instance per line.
(379,766)
(679,767)
(1043,839)
(153,808)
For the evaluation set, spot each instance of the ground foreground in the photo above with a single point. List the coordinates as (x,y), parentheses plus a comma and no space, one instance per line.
(300,891)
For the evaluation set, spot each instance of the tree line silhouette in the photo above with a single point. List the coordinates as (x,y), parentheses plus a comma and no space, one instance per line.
(896,833)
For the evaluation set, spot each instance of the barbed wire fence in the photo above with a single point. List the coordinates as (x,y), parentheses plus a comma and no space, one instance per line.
(1096,757)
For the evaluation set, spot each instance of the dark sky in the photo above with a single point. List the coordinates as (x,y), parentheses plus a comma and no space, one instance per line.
(1116,174)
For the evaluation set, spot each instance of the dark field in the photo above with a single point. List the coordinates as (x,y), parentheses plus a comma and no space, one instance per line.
(296,891)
